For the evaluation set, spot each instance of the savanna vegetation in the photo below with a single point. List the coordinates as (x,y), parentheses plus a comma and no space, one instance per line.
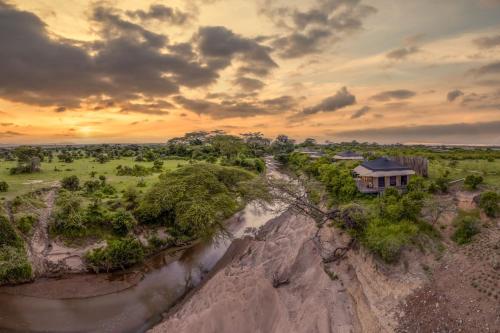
(187,187)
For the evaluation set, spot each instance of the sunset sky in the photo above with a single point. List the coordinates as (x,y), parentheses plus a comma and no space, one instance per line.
(406,71)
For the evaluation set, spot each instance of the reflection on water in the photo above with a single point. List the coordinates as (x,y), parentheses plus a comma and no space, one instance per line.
(134,309)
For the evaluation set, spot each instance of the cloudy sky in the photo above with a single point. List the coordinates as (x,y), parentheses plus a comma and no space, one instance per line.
(405,71)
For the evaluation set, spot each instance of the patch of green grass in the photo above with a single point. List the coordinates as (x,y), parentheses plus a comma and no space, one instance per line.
(490,171)
(24,183)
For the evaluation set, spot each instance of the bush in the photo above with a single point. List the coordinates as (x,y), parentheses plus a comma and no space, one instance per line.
(338,182)
(108,189)
(25,223)
(352,218)
(119,254)
(4,187)
(442,184)
(8,235)
(69,220)
(466,228)
(122,223)
(70,183)
(488,202)
(386,239)
(137,171)
(14,265)
(472,181)
(91,186)
(158,165)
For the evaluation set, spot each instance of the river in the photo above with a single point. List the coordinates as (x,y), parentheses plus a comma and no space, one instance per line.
(137,308)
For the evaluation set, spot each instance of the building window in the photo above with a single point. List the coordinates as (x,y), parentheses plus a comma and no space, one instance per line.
(404,180)
(393,180)
(381,182)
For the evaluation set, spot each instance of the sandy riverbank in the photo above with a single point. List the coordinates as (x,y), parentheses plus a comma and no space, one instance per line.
(240,296)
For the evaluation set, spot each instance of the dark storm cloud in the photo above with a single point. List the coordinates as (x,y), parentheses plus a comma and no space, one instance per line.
(333,103)
(247,83)
(487,42)
(60,109)
(393,94)
(488,69)
(112,25)
(402,53)
(6,124)
(453,95)
(361,112)
(451,133)
(220,46)
(126,63)
(161,13)
(233,108)
(309,30)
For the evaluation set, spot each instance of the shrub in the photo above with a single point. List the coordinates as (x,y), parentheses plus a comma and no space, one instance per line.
(466,228)
(156,243)
(91,186)
(472,181)
(158,165)
(131,198)
(4,187)
(25,223)
(8,235)
(69,220)
(119,254)
(442,184)
(352,218)
(488,202)
(14,265)
(338,182)
(70,183)
(108,189)
(122,222)
(95,214)
(386,239)
(137,171)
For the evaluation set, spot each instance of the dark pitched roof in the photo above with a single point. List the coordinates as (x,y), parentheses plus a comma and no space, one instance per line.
(349,154)
(383,164)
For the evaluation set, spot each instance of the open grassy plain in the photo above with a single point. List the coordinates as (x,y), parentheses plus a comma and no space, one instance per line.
(55,171)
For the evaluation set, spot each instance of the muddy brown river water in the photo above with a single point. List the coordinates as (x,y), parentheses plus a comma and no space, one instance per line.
(134,309)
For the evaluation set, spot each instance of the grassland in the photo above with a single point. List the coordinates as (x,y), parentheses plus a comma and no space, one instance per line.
(490,171)
(55,171)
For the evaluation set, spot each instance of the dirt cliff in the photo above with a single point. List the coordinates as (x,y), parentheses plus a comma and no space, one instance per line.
(278,282)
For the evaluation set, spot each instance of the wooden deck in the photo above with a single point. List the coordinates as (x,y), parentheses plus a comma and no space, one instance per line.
(369,190)
(365,189)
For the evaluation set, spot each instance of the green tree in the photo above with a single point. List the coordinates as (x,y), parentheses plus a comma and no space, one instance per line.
(28,159)
(70,183)
(4,187)
(193,200)
(473,181)
(488,202)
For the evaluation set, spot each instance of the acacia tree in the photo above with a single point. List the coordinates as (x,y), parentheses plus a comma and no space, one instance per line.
(256,142)
(28,159)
